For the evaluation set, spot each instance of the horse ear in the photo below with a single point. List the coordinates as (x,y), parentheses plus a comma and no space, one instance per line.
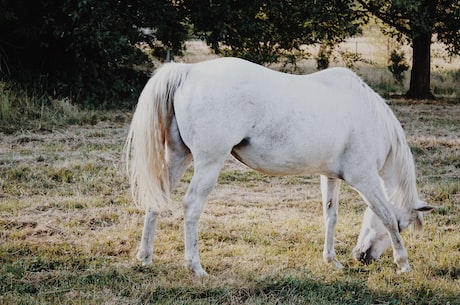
(422,206)
(418,222)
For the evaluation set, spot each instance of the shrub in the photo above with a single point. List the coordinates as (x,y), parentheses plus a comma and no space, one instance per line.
(398,65)
(86,50)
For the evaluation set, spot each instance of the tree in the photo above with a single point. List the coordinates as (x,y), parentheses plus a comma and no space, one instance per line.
(85,49)
(264,31)
(398,66)
(419,21)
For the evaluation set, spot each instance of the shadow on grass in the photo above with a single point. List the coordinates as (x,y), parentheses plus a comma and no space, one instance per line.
(303,289)
(29,280)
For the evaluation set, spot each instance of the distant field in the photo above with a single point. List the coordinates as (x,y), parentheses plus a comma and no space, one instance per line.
(374,49)
(69,235)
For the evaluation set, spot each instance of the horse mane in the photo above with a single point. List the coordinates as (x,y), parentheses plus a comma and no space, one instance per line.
(403,193)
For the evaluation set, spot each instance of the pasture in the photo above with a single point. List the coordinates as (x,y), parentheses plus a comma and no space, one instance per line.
(69,234)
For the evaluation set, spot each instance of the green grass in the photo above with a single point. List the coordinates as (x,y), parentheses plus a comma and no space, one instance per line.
(22,110)
(69,235)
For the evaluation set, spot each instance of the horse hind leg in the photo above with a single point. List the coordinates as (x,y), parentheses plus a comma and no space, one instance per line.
(176,171)
(178,155)
(330,188)
(145,253)
(203,181)
(178,158)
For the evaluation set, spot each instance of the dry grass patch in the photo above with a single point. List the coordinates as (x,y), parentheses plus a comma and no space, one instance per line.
(68,233)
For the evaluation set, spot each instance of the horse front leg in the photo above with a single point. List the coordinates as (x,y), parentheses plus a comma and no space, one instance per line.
(192,256)
(330,188)
(380,227)
(146,247)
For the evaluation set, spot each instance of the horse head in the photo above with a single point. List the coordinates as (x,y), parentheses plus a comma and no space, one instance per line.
(373,239)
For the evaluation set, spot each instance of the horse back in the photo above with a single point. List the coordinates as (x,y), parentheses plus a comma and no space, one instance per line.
(274,122)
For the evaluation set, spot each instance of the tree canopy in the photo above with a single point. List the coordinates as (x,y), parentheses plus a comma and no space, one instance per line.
(85,49)
(265,30)
(91,50)
(419,21)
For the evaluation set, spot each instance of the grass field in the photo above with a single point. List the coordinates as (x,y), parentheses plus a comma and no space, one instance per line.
(69,235)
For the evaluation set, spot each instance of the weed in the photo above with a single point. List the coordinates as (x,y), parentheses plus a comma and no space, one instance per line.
(21,110)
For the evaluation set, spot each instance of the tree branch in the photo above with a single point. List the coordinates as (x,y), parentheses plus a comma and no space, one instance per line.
(385,17)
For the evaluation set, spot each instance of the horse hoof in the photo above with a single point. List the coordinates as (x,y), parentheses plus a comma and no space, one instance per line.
(363,257)
(200,274)
(196,269)
(403,269)
(144,258)
(337,265)
(332,260)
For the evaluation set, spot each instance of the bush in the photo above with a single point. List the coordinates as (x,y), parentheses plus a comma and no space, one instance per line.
(398,65)
(86,50)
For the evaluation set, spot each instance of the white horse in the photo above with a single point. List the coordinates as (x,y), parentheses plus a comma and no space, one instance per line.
(329,122)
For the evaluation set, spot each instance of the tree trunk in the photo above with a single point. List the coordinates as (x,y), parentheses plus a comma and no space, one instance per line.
(420,74)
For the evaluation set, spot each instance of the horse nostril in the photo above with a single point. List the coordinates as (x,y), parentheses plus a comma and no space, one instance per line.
(364,257)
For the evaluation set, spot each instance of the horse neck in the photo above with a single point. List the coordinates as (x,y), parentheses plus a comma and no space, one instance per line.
(398,174)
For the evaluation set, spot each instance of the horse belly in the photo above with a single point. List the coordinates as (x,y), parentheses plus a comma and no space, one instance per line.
(284,158)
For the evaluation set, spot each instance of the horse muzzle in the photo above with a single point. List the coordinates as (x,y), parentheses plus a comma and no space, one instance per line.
(364,257)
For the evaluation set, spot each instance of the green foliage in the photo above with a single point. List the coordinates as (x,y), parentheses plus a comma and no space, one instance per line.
(447,26)
(417,21)
(85,49)
(97,53)
(18,105)
(411,19)
(265,31)
(398,65)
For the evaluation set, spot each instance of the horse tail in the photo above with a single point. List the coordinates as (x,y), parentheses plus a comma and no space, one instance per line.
(145,147)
